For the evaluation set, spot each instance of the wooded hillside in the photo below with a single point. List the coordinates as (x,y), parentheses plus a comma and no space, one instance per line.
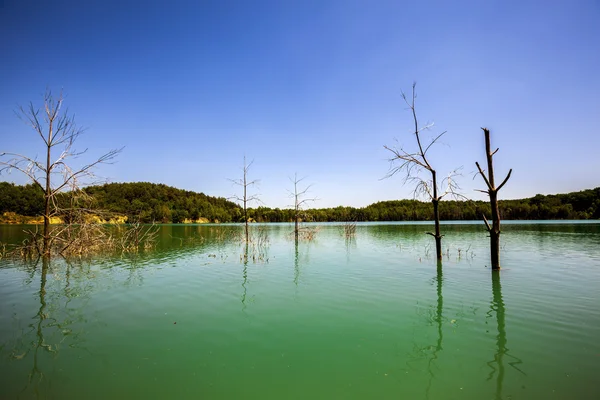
(150,202)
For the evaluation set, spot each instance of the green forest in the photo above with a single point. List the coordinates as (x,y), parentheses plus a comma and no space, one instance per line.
(150,202)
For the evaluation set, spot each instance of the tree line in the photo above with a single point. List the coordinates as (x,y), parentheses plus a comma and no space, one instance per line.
(149,202)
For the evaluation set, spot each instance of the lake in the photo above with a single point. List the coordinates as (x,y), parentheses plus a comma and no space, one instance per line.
(364,316)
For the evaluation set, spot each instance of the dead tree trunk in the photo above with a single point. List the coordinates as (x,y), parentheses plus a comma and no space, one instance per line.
(492,191)
(435,200)
(245,199)
(245,204)
(47,196)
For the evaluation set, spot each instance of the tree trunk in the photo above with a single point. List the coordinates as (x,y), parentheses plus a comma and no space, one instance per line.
(46,233)
(245,201)
(47,195)
(493,193)
(436,218)
(296,226)
(494,229)
(495,232)
(437,236)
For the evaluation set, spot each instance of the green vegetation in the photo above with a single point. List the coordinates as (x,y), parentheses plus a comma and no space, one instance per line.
(149,202)
(23,200)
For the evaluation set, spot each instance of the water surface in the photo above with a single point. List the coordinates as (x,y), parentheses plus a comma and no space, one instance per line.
(366,316)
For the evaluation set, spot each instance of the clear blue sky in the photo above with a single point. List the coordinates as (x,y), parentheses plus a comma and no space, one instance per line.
(313,87)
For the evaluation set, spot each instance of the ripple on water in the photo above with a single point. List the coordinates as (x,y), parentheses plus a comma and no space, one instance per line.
(373,312)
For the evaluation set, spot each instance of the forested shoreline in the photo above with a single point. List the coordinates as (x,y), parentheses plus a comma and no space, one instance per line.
(149,202)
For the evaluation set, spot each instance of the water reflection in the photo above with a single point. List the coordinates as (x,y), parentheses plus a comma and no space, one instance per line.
(296,264)
(438,320)
(497,364)
(384,284)
(244,276)
(350,242)
(255,249)
(430,353)
(189,240)
(36,373)
(302,251)
(59,302)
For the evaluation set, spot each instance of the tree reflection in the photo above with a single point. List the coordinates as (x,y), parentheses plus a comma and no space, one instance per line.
(497,364)
(52,324)
(41,316)
(301,259)
(296,264)
(350,245)
(245,276)
(431,352)
(255,249)
(438,319)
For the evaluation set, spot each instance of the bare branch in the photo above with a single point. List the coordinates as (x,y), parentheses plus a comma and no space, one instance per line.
(253,198)
(59,132)
(452,187)
(305,201)
(487,224)
(505,179)
(433,141)
(489,185)
(86,170)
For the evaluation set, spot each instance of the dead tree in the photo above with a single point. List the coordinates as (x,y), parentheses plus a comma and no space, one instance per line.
(412,165)
(299,201)
(492,191)
(245,198)
(57,129)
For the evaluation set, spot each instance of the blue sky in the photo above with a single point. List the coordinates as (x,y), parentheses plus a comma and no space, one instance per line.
(312,87)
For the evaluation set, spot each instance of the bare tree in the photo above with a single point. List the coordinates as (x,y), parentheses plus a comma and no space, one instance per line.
(412,164)
(245,198)
(492,191)
(300,200)
(58,131)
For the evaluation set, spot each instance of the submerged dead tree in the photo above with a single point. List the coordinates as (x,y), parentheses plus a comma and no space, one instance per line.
(52,174)
(492,191)
(245,198)
(299,201)
(412,164)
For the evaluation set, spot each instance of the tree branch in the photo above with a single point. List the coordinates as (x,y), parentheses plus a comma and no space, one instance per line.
(489,228)
(484,177)
(505,179)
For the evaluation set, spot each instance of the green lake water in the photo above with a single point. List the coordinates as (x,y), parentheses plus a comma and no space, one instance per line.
(364,317)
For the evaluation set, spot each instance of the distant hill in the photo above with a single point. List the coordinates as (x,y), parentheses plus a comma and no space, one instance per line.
(143,201)
(150,202)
